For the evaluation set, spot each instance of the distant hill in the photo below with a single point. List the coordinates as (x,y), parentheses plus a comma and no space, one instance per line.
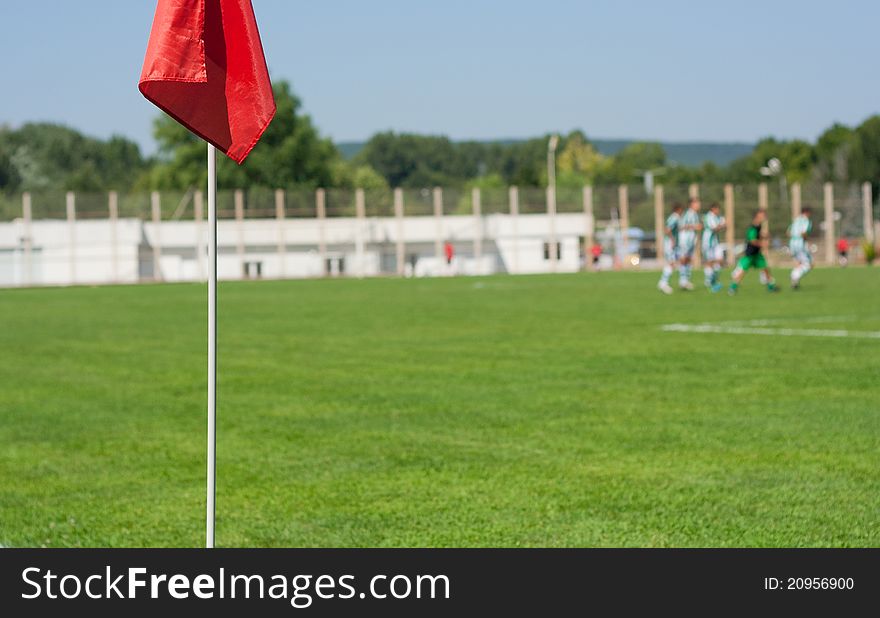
(685,153)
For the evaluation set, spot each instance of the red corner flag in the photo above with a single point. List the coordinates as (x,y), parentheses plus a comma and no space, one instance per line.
(206,69)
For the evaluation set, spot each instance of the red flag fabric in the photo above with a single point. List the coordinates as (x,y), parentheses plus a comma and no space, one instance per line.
(205,68)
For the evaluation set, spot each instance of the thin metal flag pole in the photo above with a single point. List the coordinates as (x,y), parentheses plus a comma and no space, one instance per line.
(212,343)
(234,117)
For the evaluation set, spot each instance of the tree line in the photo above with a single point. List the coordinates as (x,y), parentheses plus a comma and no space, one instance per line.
(293,154)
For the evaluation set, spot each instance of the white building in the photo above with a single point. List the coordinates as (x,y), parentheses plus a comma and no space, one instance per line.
(127,250)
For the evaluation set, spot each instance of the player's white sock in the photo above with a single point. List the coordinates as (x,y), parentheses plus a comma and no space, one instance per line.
(684,273)
(763,278)
(716,273)
(709,273)
(799,272)
(667,273)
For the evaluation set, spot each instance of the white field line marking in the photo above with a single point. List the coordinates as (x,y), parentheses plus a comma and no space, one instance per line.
(776,332)
(768,321)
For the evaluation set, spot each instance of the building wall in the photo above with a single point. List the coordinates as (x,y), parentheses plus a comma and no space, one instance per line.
(58,252)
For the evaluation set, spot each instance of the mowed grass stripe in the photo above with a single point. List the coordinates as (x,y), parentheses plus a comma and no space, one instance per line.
(498,411)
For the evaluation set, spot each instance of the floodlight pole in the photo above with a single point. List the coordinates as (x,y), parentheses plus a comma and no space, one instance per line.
(212,344)
(551,197)
(551,160)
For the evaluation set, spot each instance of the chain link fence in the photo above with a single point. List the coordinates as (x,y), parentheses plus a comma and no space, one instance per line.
(343,231)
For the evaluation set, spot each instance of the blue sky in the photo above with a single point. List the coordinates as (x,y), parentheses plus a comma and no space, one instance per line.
(669,70)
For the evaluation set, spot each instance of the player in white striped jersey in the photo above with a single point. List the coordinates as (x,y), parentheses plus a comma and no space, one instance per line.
(688,231)
(670,248)
(798,231)
(713,255)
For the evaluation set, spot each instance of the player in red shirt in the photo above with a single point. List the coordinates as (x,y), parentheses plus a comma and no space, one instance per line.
(843,251)
(449,252)
(596,252)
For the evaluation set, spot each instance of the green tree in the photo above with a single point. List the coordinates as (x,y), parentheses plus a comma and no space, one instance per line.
(633,160)
(524,163)
(797,158)
(290,153)
(489,181)
(678,175)
(365,177)
(48,156)
(579,163)
(864,160)
(352,176)
(407,160)
(833,149)
(10,180)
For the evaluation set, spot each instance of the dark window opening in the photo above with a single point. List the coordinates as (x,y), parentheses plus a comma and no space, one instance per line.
(547,251)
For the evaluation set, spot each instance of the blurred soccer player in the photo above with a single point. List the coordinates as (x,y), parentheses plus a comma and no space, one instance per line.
(449,252)
(688,229)
(596,252)
(843,252)
(713,223)
(799,229)
(753,257)
(670,248)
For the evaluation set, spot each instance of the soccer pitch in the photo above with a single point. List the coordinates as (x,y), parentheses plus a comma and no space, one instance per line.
(497,411)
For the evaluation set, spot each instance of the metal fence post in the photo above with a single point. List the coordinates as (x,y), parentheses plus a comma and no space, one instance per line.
(623,204)
(321,211)
(282,244)
(795,200)
(478,229)
(589,225)
(113,207)
(868,212)
(551,222)
(70,199)
(729,232)
(27,216)
(199,219)
(513,199)
(399,244)
(438,224)
(829,222)
(156,211)
(763,204)
(360,209)
(239,229)
(659,222)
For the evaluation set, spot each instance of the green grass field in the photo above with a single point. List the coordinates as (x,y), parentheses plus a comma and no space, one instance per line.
(497,411)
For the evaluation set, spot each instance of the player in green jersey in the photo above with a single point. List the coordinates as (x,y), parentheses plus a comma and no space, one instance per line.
(753,257)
